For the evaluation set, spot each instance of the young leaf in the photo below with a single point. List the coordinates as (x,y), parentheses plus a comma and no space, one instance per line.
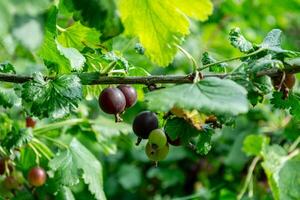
(16,139)
(273,40)
(8,97)
(265,64)
(52,98)
(160,25)
(212,95)
(79,36)
(239,41)
(208,59)
(65,193)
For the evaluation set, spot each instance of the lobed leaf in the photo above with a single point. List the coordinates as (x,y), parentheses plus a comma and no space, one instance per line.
(210,95)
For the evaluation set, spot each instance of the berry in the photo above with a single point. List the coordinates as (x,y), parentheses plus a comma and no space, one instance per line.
(4,163)
(10,183)
(144,123)
(156,154)
(290,80)
(112,101)
(37,176)
(129,93)
(157,138)
(30,122)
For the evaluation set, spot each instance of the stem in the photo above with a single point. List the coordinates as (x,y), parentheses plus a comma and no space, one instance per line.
(95,78)
(249,177)
(57,125)
(60,28)
(231,59)
(109,67)
(37,154)
(60,144)
(294,145)
(190,57)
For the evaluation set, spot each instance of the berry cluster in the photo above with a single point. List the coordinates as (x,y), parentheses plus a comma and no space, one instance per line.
(145,126)
(14,179)
(115,100)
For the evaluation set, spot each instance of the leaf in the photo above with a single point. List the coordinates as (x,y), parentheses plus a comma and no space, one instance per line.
(282,172)
(6,125)
(8,97)
(273,40)
(208,59)
(239,41)
(65,194)
(212,95)
(159,25)
(203,145)
(91,167)
(179,128)
(121,62)
(16,139)
(79,36)
(254,144)
(6,67)
(52,98)
(89,13)
(196,9)
(68,165)
(75,58)
(56,57)
(265,64)
(292,103)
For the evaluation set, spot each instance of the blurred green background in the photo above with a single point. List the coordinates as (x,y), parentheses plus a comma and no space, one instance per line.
(128,174)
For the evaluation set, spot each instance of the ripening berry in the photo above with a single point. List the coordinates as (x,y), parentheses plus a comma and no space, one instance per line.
(37,176)
(30,122)
(156,154)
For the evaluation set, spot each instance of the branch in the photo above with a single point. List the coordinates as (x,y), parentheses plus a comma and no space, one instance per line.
(95,78)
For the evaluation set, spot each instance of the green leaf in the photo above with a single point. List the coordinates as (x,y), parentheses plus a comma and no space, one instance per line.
(76,162)
(282,172)
(159,26)
(6,67)
(239,41)
(6,125)
(121,62)
(179,128)
(196,9)
(79,36)
(75,58)
(65,193)
(254,144)
(208,59)
(8,97)
(292,103)
(16,139)
(203,145)
(212,95)
(52,98)
(56,57)
(91,167)
(273,40)
(89,13)
(265,64)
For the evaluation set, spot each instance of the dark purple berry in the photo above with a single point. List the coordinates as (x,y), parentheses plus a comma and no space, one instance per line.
(112,101)
(129,93)
(144,123)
